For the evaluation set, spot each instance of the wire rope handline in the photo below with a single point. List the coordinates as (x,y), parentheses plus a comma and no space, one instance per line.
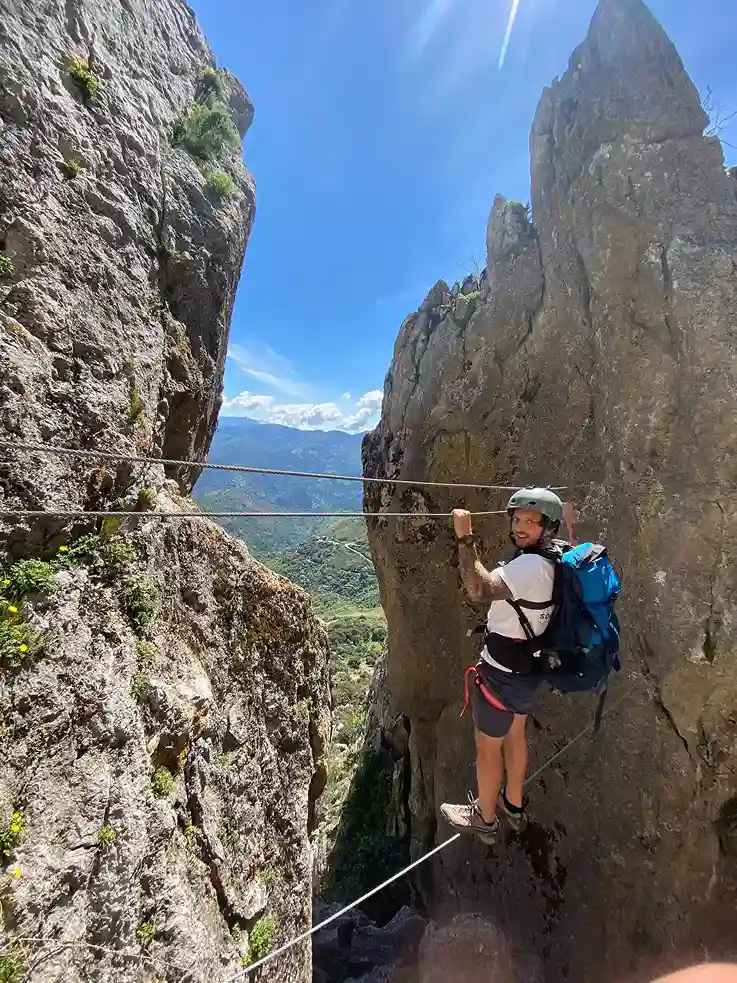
(81,513)
(451,839)
(129,459)
(79,944)
(69,513)
(243,974)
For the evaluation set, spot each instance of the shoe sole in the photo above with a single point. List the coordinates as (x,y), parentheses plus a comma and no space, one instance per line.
(469,830)
(486,838)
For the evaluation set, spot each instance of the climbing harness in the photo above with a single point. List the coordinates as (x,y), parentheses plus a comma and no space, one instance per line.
(478,680)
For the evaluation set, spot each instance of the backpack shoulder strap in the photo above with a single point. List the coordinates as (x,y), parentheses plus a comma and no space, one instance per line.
(553,554)
(523,619)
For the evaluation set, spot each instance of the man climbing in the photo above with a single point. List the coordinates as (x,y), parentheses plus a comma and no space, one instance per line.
(506,689)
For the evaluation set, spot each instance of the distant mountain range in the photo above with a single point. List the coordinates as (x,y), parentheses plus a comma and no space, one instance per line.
(246,442)
(328,557)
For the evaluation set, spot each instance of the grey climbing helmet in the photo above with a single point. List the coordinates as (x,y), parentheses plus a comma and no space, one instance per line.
(543,500)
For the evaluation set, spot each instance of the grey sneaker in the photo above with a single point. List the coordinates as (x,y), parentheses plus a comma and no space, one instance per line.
(516,818)
(468,819)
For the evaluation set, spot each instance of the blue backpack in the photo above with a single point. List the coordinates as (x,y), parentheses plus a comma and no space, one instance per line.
(582,642)
(580,646)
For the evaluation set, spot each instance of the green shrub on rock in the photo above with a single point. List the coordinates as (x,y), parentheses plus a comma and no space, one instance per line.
(146,933)
(73,166)
(146,498)
(118,554)
(84,78)
(29,577)
(19,641)
(106,837)
(162,782)
(209,85)
(206,131)
(12,967)
(261,937)
(220,184)
(142,601)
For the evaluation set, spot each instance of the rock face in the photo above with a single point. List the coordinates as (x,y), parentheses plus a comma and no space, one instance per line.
(472,950)
(224,684)
(388,729)
(469,949)
(164,703)
(600,352)
(354,950)
(366,832)
(118,260)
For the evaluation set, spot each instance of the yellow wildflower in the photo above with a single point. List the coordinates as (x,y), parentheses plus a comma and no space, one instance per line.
(6,582)
(22,648)
(16,871)
(13,609)
(63,549)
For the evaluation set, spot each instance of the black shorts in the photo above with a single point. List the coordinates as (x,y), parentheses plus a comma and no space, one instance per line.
(519,694)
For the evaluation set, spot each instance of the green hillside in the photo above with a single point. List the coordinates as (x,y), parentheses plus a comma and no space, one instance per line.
(244,442)
(328,557)
(263,536)
(336,569)
(333,570)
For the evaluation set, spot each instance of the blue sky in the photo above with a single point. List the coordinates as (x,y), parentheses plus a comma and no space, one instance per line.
(382,131)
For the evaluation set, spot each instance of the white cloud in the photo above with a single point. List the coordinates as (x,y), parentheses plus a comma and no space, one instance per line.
(264,364)
(362,415)
(426,26)
(367,412)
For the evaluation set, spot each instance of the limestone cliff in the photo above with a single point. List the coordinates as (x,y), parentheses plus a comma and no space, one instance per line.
(598,350)
(125,210)
(164,704)
(162,753)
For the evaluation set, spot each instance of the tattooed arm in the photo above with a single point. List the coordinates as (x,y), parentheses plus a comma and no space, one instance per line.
(481,584)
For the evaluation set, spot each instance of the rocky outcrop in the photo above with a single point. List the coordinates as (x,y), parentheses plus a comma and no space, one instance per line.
(162,754)
(352,949)
(164,703)
(469,949)
(119,250)
(365,834)
(600,354)
(387,730)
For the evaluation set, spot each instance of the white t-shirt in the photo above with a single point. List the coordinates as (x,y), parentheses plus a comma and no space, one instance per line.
(529,578)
